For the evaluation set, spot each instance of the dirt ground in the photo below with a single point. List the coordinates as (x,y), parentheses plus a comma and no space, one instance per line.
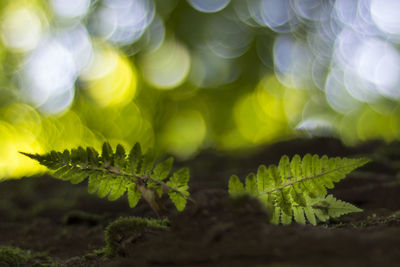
(60,224)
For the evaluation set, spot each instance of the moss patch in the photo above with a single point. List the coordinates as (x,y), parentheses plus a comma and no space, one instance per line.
(128,230)
(12,256)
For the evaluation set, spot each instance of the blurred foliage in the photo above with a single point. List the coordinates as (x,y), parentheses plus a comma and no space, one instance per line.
(188,75)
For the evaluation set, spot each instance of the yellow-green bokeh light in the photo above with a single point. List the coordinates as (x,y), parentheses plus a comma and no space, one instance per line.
(111,79)
(184,133)
(168,66)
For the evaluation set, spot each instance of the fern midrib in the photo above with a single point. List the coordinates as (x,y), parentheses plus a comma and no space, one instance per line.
(137,178)
(305,179)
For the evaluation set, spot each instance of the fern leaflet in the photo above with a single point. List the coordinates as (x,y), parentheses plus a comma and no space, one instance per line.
(113,174)
(297,188)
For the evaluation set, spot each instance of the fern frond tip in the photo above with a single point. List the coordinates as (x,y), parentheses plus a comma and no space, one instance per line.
(30,155)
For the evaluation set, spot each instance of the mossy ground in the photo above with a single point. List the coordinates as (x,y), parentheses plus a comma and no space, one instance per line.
(47,215)
(13,256)
(127,230)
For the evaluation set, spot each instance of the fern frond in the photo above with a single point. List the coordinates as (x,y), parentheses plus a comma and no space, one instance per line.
(322,209)
(178,188)
(133,195)
(113,174)
(292,188)
(235,186)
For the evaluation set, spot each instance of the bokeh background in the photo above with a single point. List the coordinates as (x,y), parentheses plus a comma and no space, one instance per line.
(183,76)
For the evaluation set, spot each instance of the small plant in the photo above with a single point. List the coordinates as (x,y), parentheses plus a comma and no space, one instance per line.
(113,174)
(298,188)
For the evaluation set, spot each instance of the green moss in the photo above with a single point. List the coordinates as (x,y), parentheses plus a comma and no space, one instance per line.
(125,230)
(395,215)
(13,256)
(97,253)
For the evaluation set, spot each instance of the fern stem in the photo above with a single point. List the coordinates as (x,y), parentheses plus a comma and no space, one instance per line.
(172,188)
(304,179)
(136,179)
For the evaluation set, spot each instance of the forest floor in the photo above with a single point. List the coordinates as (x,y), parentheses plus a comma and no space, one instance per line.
(55,223)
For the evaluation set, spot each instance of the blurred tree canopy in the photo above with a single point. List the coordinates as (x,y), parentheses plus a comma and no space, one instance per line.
(182,76)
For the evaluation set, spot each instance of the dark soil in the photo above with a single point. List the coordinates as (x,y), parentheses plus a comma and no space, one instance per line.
(66,225)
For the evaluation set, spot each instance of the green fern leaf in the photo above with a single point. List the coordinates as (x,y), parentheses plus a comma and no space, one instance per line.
(47,160)
(162,169)
(298,214)
(178,200)
(286,218)
(276,216)
(135,159)
(133,195)
(112,174)
(62,172)
(78,177)
(94,181)
(93,156)
(251,184)
(118,188)
(262,181)
(147,163)
(180,179)
(178,184)
(107,155)
(235,186)
(297,188)
(120,157)
(331,207)
(310,215)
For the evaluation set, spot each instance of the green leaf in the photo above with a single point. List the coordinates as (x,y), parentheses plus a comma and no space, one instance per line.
(113,174)
(298,196)
(120,156)
(310,214)
(147,163)
(178,200)
(104,186)
(297,188)
(298,214)
(284,201)
(133,195)
(235,186)
(162,169)
(77,177)
(179,182)
(93,157)
(262,177)
(66,158)
(276,215)
(155,185)
(334,208)
(62,172)
(180,178)
(286,218)
(251,185)
(107,155)
(118,188)
(283,170)
(295,166)
(82,157)
(78,156)
(135,159)
(94,181)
